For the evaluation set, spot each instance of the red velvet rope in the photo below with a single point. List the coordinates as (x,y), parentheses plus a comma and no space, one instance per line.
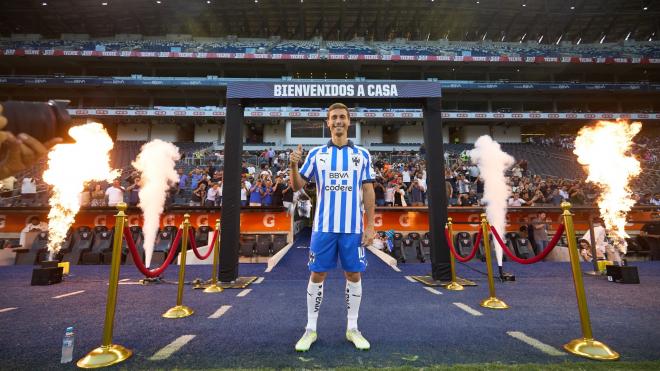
(151,273)
(193,243)
(537,258)
(458,256)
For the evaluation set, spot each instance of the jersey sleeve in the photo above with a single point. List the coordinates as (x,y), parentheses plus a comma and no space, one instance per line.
(308,169)
(369,175)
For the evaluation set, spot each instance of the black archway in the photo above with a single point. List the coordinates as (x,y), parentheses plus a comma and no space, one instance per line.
(427,94)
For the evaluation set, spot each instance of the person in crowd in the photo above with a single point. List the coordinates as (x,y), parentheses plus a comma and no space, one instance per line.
(469,199)
(389,193)
(256,193)
(287,197)
(98,196)
(463,185)
(415,192)
(114,194)
(515,200)
(134,192)
(379,190)
(399,194)
(28,188)
(183,181)
(195,178)
(278,191)
(584,246)
(540,233)
(34,224)
(555,198)
(603,247)
(245,191)
(267,198)
(212,195)
(198,195)
(85,197)
(7,186)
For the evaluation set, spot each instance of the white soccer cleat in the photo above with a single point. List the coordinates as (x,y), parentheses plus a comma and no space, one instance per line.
(355,337)
(306,341)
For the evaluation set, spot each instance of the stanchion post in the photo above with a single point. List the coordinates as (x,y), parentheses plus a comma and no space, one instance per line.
(453,285)
(180,310)
(491,301)
(109,354)
(585,346)
(214,287)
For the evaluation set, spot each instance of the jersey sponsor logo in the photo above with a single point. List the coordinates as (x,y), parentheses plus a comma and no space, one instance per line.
(338,175)
(338,188)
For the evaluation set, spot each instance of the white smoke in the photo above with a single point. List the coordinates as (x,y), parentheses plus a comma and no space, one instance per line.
(156,163)
(492,163)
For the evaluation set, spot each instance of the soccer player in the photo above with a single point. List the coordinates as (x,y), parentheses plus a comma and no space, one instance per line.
(344,178)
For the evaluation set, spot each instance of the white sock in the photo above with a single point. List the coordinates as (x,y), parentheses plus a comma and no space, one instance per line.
(314,300)
(353,299)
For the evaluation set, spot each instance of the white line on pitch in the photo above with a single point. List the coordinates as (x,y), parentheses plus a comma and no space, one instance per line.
(545,348)
(243,293)
(222,310)
(69,294)
(172,347)
(468,309)
(259,280)
(129,283)
(410,279)
(124,280)
(432,290)
(7,309)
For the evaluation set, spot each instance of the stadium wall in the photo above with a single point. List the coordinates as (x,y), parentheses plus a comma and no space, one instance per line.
(133,132)
(507,134)
(166,132)
(208,133)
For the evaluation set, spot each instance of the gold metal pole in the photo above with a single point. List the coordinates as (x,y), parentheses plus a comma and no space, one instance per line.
(453,285)
(109,354)
(585,346)
(180,310)
(213,287)
(492,301)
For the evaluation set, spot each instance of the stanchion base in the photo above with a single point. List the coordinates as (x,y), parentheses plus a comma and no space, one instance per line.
(429,281)
(213,289)
(493,303)
(592,349)
(179,311)
(455,286)
(104,356)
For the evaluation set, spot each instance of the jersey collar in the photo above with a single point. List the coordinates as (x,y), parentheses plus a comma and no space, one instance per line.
(349,144)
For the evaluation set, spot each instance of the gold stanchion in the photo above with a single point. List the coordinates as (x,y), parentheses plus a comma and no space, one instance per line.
(180,310)
(213,287)
(453,285)
(109,354)
(585,346)
(492,301)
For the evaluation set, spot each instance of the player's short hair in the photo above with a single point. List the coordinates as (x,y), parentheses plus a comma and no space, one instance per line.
(339,106)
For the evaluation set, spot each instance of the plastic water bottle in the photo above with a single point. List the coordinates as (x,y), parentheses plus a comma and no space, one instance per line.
(67,346)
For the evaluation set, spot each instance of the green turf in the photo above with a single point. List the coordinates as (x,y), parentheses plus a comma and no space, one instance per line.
(573,366)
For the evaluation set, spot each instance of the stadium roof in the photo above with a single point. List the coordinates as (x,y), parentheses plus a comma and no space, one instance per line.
(469,20)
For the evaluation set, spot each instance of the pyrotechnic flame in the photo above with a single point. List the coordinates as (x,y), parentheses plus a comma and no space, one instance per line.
(604,149)
(70,166)
(156,163)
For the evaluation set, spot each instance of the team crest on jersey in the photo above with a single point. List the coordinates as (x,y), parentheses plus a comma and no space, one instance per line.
(356,160)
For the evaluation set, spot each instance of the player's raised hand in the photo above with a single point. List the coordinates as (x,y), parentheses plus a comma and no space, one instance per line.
(296,155)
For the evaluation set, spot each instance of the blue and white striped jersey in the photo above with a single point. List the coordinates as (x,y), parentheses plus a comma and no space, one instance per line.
(339,173)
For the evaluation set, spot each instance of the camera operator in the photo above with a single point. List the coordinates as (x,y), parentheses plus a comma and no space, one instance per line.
(20,152)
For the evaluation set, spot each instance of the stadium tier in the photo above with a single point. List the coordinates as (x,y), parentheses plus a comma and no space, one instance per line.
(459,184)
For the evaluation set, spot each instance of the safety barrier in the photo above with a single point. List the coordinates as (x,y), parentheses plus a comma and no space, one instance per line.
(108,353)
(151,273)
(586,346)
(450,242)
(537,258)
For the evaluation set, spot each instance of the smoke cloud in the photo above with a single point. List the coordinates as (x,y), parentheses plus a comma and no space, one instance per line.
(492,163)
(156,163)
